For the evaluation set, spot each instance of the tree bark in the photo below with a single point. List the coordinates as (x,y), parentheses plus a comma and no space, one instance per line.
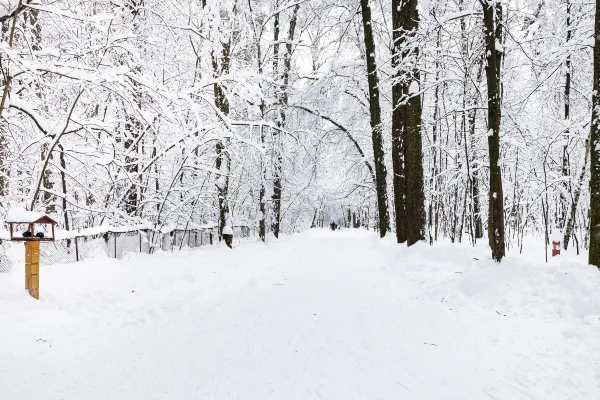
(594,254)
(375,111)
(263,173)
(409,108)
(283,103)
(492,17)
(399,175)
(63,178)
(222,163)
(133,126)
(276,197)
(571,220)
(566,170)
(475,173)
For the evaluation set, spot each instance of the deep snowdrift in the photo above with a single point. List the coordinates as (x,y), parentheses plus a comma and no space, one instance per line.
(333,315)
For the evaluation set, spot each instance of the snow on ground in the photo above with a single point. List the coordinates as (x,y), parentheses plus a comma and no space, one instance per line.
(332,315)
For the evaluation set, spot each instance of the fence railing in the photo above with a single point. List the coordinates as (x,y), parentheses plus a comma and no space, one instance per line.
(118,244)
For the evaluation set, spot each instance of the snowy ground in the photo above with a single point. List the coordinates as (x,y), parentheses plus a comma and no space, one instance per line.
(332,315)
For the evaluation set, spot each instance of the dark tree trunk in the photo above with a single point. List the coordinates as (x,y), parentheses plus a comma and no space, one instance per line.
(492,17)
(283,102)
(571,220)
(566,170)
(475,175)
(594,255)
(262,193)
(63,178)
(408,115)
(313,224)
(223,161)
(4,170)
(276,197)
(399,180)
(31,17)
(132,131)
(220,65)
(413,155)
(263,173)
(133,127)
(378,155)
(433,180)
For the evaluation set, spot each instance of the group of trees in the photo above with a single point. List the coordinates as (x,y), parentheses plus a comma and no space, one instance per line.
(284,114)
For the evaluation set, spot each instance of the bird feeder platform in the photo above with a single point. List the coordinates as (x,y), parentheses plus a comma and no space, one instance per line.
(17,217)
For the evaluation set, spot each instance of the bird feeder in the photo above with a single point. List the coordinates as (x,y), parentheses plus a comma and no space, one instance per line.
(32,228)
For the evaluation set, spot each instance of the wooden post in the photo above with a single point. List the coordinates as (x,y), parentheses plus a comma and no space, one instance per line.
(76,250)
(32,268)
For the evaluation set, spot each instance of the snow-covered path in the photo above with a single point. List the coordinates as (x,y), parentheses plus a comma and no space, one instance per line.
(332,315)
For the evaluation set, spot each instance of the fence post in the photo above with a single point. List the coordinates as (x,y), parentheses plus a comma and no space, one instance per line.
(76,250)
(115,236)
(140,235)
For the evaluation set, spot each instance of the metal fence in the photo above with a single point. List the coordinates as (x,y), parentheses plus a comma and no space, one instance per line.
(5,263)
(118,244)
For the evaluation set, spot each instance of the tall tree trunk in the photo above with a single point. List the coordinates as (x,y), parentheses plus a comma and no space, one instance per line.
(375,110)
(133,126)
(475,173)
(262,206)
(399,180)
(220,66)
(594,254)
(433,180)
(276,197)
(283,103)
(63,178)
(223,161)
(4,169)
(492,18)
(566,170)
(263,173)
(571,220)
(411,110)
(31,17)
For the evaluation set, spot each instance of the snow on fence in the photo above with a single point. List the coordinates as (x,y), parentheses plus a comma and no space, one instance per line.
(118,244)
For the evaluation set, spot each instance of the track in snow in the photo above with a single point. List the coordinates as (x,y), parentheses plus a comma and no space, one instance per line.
(332,315)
